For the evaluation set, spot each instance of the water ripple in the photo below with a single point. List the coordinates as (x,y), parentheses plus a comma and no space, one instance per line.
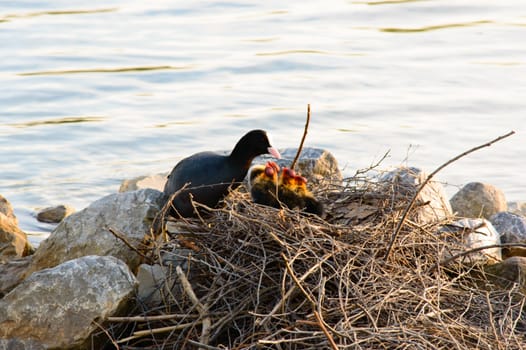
(67,120)
(7,18)
(436,27)
(104,70)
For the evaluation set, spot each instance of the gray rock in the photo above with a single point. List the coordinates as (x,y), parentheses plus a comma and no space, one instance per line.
(432,204)
(475,233)
(86,232)
(512,229)
(21,344)
(477,199)
(13,241)
(61,306)
(518,208)
(55,214)
(152,284)
(155,182)
(314,163)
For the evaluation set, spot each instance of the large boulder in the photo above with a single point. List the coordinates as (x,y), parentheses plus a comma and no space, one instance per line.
(13,241)
(512,229)
(60,307)
(431,203)
(478,200)
(474,234)
(86,232)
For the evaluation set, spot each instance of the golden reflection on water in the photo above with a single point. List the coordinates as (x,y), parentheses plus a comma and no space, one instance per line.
(436,27)
(6,18)
(54,121)
(104,70)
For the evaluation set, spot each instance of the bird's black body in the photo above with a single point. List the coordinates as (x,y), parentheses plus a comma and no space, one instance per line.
(209,175)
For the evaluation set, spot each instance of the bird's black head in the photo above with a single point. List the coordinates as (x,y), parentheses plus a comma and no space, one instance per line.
(253,144)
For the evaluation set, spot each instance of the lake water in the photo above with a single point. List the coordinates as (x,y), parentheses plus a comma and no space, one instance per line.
(93,93)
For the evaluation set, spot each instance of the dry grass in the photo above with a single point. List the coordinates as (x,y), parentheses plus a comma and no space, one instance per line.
(264,278)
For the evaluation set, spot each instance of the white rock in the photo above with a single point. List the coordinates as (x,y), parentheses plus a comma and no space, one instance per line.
(59,306)
(432,203)
(475,233)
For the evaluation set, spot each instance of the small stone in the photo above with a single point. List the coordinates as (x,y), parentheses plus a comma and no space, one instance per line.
(152,284)
(155,182)
(478,200)
(512,229)
(55,214)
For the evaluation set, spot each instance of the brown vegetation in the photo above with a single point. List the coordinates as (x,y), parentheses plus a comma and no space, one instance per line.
(248,276)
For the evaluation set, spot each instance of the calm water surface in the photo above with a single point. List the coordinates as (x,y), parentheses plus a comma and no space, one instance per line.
(92,93)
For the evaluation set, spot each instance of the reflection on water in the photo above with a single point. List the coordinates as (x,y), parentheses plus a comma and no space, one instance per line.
(68,120)
(436,27)
(55,13)
(125,89)
(104,70)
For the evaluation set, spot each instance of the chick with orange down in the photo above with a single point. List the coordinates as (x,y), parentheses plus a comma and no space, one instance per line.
(293,192)
(263,184)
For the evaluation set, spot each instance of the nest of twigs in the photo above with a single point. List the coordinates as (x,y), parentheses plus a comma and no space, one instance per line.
(264,278)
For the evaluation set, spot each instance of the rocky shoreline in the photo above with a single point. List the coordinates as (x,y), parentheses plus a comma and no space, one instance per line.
(57,296)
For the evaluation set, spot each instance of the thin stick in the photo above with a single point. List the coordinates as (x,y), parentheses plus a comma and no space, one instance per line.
(202,309)
(293,164)
(410,205)
(334,346)
(140,334)
(149,318)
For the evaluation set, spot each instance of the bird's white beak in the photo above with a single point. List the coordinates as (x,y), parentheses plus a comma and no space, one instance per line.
(274,152)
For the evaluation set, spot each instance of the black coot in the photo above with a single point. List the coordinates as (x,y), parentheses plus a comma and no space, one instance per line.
(209,175)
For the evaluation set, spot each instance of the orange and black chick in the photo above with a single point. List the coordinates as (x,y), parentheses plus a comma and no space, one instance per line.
(263,184)
(293,193)
(311,204)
